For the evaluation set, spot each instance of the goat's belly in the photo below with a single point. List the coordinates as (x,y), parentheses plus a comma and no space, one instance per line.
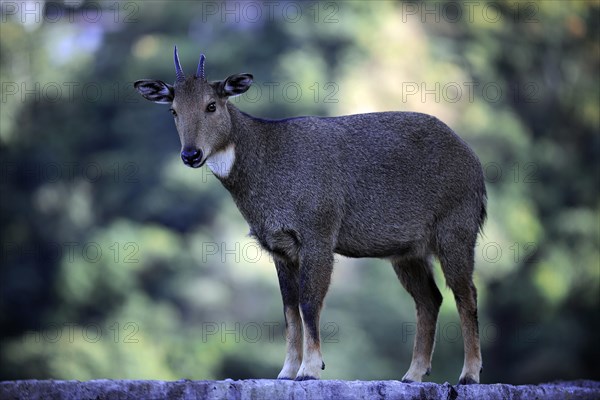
(382,250)
(382,241)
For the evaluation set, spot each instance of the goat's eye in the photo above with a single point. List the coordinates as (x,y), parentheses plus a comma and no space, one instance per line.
(173,112)
(211,107)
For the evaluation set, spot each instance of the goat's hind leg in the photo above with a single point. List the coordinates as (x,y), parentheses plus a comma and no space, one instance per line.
(416,276)
(457,258)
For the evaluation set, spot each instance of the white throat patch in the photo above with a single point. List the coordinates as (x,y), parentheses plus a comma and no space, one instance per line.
(222,161)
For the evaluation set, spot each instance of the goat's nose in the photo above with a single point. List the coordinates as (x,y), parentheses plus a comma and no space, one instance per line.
(191,156)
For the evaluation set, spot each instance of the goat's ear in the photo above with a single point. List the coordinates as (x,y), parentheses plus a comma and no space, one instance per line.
(234,85)
(156,91)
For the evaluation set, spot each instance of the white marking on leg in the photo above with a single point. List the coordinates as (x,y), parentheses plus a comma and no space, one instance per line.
(221,162)
(293,356)
(418,368)
(312,361)
(472,366)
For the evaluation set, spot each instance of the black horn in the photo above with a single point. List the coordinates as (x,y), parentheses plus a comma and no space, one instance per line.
(178,70)
(200,70)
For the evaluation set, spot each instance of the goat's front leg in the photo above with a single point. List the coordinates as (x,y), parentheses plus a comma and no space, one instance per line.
(315,274)
(287,273)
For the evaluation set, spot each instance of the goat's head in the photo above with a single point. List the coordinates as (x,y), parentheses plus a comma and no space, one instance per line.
(199,108)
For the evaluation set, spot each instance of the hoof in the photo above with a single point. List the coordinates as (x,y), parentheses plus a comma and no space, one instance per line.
(407,381)
(305,378)
(467,381)
(285,379)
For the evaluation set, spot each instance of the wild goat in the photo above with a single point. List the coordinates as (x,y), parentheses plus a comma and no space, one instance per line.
(395,185)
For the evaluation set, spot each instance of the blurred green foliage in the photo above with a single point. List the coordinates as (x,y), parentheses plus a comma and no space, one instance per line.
(119,262)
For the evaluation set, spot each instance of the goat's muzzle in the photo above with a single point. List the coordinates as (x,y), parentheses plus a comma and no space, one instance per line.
(192,157)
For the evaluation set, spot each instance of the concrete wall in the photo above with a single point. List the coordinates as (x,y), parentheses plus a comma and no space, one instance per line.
(273,389)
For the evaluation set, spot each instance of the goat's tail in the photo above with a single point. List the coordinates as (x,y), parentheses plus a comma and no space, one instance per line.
(483,210)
